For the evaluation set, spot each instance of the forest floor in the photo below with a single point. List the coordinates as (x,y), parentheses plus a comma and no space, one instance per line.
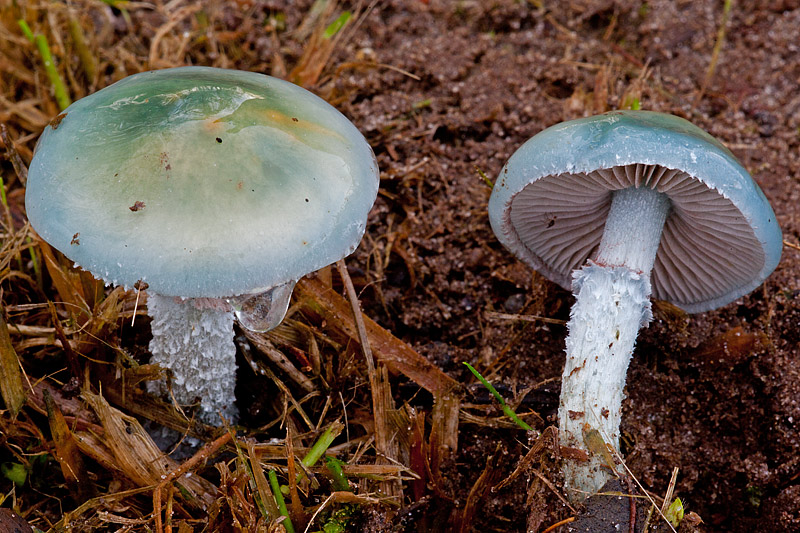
(443,91)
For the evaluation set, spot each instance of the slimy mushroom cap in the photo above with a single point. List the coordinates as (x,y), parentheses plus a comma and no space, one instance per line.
(551,200)
(202,182)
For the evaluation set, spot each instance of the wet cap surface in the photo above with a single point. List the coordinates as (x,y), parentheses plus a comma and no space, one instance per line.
(202,182)
(551,200)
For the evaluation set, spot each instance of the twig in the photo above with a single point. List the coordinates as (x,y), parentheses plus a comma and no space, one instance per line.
(97,501)
(276,356)
(298,514)
(492,315)
(535,450)
(318,511)
(356,307)
(261,483)
(479,489)
(553,489)
(139,286)
(670,490)
(377,383)
(353,64)
(791,245)
(73,362)
(265,370)
(321,302)
(205,452)
(559,524)
(665,504)
(632,508)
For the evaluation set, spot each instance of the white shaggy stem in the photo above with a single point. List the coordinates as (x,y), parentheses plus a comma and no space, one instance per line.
(196,343)
(612,302)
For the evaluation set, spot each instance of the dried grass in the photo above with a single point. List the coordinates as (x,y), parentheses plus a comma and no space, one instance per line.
(84,356)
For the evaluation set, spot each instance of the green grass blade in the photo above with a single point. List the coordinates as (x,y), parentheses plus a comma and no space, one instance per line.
(337,25)
(276,491)
(321,446)
(335,468)
(26,30)
(40,41)
(506,409)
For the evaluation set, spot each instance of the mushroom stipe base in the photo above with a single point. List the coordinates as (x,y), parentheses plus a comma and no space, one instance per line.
(612,303)
(196,343)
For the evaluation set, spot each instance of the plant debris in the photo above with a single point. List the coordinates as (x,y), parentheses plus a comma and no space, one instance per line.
(439,89)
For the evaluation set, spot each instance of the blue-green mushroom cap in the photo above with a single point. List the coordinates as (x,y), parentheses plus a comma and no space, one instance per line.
(201,182)
(550,202)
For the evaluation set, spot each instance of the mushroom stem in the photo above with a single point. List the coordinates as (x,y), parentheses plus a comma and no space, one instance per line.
(194,339)
(612,302)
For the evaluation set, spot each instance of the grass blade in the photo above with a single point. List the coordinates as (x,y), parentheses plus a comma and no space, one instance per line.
(506,409)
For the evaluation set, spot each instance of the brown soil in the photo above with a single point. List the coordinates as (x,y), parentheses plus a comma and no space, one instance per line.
(497,73)
(443,89)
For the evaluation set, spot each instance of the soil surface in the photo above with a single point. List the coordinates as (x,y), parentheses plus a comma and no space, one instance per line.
(716,395)
(447,90)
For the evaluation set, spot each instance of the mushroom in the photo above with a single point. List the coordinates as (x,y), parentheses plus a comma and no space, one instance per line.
(216,188)
(621,206)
